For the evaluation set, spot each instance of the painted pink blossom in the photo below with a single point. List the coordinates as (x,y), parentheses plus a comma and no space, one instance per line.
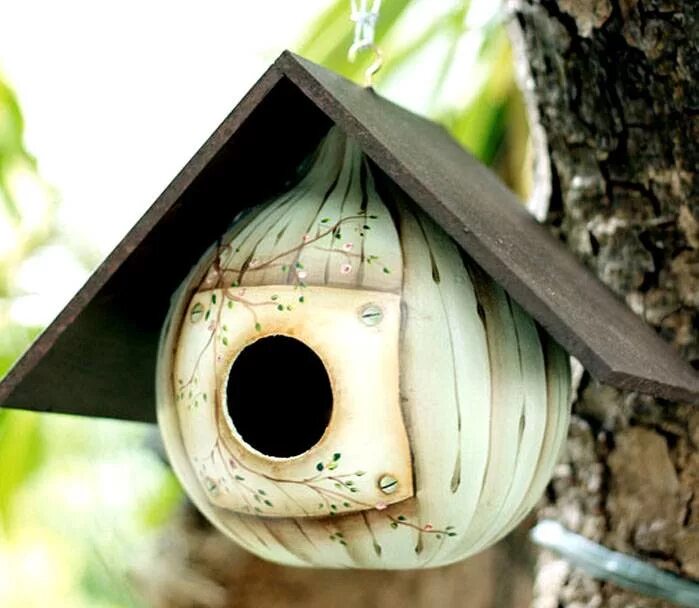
(380,506)
(347,246)
(301,274)
(307,238)
(428,527)
(346,268)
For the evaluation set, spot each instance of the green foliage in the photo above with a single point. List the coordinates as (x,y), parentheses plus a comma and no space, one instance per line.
(21,446)
(11,145)
(20,233)
(21,453)
(164,500)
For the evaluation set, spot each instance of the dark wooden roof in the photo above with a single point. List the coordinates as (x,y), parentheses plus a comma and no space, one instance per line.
(98,357)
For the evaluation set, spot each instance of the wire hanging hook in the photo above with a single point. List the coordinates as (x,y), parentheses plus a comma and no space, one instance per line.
(364,19)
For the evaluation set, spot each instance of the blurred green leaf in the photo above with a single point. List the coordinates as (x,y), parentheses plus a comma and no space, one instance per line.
(11,123)
(14,340)
(21,453)
(163,501)
(450,24)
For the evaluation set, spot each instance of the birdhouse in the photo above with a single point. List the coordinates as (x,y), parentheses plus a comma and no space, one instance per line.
(354,334)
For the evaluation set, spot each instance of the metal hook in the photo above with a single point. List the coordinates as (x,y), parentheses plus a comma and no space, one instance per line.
(375,65)
(364,19)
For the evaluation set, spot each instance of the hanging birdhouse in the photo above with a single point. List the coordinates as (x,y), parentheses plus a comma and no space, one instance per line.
(338,386)
(351,330)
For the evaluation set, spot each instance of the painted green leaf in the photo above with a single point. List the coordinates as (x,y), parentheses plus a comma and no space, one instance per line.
(197,312)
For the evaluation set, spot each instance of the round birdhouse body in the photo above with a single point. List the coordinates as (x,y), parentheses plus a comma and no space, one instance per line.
(338,386)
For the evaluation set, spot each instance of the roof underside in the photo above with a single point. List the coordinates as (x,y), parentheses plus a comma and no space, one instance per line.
(98,357)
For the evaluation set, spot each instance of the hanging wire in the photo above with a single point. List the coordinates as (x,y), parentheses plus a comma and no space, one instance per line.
(623,570)
(364,19)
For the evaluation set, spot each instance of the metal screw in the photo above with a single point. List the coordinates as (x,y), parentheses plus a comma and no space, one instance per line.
(388,484)
(371,314)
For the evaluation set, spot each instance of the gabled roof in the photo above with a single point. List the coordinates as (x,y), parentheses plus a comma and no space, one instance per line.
(98,357)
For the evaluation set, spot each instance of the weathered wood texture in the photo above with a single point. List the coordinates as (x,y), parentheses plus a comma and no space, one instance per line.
(616,88)
(98,357)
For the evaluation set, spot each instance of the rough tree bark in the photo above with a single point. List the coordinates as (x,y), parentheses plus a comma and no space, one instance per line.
(615,86)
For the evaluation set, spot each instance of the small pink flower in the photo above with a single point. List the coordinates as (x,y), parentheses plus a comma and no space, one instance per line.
(212,326)
(346,268)
(428,527)
(380,506)
(301,274)
(347,247)
(307,238)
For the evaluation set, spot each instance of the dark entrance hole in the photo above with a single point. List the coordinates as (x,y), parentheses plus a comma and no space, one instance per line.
(279,396)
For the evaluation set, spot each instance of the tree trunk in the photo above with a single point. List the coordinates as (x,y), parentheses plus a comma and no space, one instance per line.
(614,86)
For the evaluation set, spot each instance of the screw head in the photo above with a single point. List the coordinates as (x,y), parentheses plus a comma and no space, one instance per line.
(371,314)
(388,484)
